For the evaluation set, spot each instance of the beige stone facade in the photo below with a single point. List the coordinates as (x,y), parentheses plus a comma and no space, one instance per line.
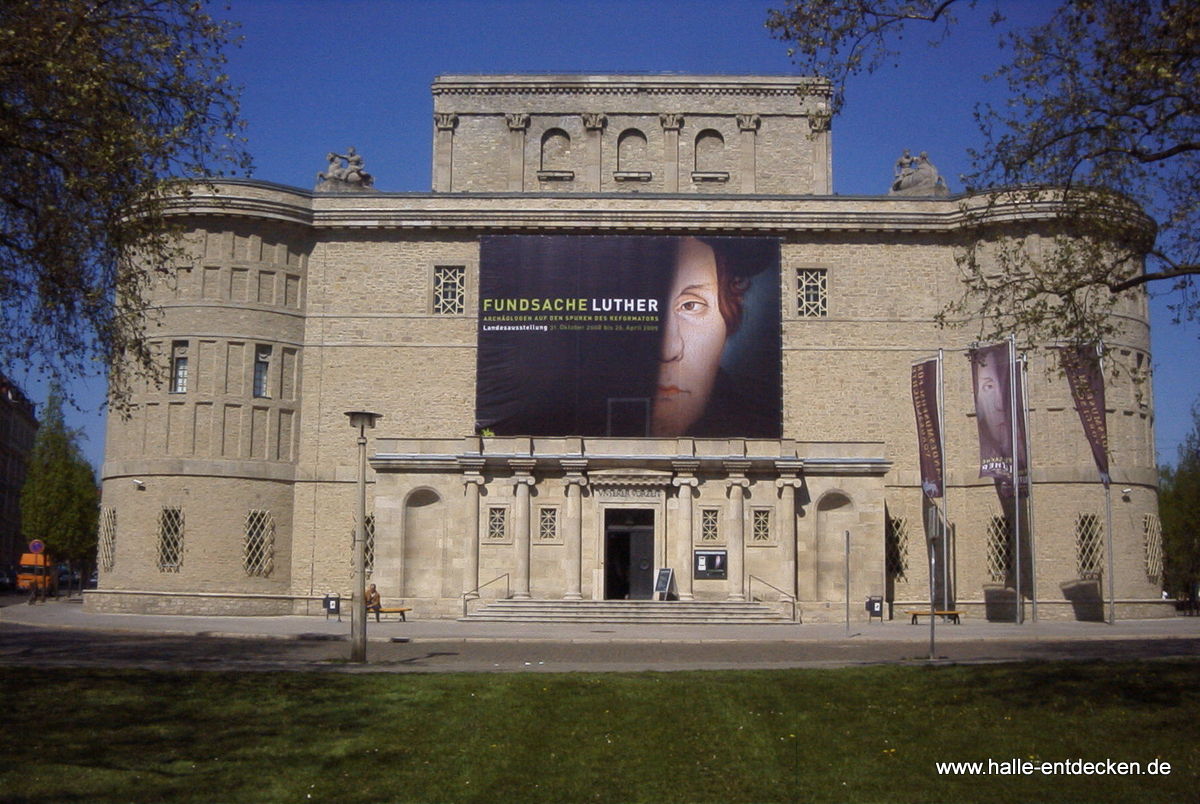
(231,488)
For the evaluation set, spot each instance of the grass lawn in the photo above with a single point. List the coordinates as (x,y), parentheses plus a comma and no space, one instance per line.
(859,734)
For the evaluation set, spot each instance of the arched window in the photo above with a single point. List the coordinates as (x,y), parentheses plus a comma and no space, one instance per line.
(711,163)
(556,156)
(633,162)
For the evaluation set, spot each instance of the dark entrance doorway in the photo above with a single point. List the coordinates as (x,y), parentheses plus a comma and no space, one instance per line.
(629,554)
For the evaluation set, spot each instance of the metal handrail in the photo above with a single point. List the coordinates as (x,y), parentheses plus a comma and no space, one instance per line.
(787,597)
(474,593)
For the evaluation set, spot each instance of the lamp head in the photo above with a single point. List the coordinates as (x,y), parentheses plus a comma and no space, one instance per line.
(363,419)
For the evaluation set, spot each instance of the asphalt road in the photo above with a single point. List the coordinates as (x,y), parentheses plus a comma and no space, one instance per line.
(25,646)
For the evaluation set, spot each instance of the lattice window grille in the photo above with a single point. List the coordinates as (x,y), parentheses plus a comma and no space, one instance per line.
(710,530)
(449,290)
(369,547)
(897,548)
(170,539)
(108,538)
(548,524)
(258,555)
(497,524)
(1089,545)
(812,292)
(760,526)
(1152,535)
(999,553)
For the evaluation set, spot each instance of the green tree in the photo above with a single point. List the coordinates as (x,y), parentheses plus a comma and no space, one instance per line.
(60,500)
(105,107)
(1179,507)
(1103,107)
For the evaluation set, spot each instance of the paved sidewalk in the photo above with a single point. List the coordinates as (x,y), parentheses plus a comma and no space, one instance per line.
(69,614)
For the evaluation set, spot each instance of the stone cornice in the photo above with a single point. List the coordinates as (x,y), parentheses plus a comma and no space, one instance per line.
(760,85)
(576,212)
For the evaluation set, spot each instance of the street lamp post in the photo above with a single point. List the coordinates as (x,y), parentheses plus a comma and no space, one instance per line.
(362,420)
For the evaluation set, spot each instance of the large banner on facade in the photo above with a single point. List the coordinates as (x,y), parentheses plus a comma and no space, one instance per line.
(929,426)
(1082,366)
(997,381)
(629,336)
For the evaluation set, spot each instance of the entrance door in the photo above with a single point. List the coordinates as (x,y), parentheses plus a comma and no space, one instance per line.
(629,554)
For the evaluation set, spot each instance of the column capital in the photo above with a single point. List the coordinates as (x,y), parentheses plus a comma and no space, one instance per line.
(573,466)
(473,479)
(517,121)
(685,467)
(671,121)
(470,464)
(445,121)
(594,121)
(748,122)
(819,121)
(690,482)
(736,468)
(789,482)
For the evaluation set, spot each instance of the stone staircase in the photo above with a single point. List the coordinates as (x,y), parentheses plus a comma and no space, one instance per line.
(656,612)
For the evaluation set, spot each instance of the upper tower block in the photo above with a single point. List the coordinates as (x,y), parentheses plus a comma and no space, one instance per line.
(766,135)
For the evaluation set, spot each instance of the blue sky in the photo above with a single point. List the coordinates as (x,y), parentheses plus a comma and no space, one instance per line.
(321,75)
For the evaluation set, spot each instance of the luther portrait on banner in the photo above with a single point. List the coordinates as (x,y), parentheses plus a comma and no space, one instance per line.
(1082,366)
(929,430)
(994,381)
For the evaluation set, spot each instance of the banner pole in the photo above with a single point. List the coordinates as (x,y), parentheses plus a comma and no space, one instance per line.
(1029,465)
(1108,538)
(945,523)
(1014,468)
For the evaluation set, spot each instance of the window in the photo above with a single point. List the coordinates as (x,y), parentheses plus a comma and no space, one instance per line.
(369,547)
(170,539)
(262,371)
(896,547)
(449,290)
(1089,545)
(710,157)
(760,526)
(179,367)
(1152,534)
(998,553)
(107,552)
(497,524)
(258,554)
(709,525)
(812,293)
(547,524)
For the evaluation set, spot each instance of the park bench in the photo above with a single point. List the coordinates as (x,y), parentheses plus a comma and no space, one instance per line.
(949,614)
(401,611)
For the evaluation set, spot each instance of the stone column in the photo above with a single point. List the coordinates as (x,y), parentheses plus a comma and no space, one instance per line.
(517,125)
(684,482)
(748,126)
(819,121)
(593,123)
(575,481)
(787,484)
(521,534)
(671,124)
(736,540)
(472,482)
(443,151)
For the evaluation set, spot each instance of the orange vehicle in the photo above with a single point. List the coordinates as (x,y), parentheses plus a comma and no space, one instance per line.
(37,571)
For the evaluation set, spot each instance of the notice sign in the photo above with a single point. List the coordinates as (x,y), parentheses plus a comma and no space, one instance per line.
(710,565)
(629,336)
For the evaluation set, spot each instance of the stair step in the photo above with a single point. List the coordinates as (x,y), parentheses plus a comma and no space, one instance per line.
(628,611)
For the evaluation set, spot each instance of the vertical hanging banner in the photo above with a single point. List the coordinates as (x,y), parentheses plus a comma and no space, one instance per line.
(634,336)
(995,377)
(1082,366)
(929,426)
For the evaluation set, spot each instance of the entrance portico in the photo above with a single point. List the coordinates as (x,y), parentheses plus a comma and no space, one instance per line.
(575,518)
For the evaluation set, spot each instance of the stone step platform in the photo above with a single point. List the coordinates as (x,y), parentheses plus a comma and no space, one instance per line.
(657,612)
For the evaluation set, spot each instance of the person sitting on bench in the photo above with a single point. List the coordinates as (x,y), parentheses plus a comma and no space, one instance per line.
(374,602)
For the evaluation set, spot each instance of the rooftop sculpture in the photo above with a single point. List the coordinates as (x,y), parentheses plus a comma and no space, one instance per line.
(348,178)
(916,176)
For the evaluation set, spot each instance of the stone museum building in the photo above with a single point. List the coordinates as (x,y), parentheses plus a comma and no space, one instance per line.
(631,329)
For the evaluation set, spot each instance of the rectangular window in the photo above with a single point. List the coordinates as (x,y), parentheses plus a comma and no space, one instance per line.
(760,526)
(258,554)
(895,541)
(179,367)
(497,524)
(262,372)
(449,290)
(107,552)
(547,524)
(811,293)
(998,553)
(170,539)
(1089,545)
(1152,535)
(369,547)
(709,525)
